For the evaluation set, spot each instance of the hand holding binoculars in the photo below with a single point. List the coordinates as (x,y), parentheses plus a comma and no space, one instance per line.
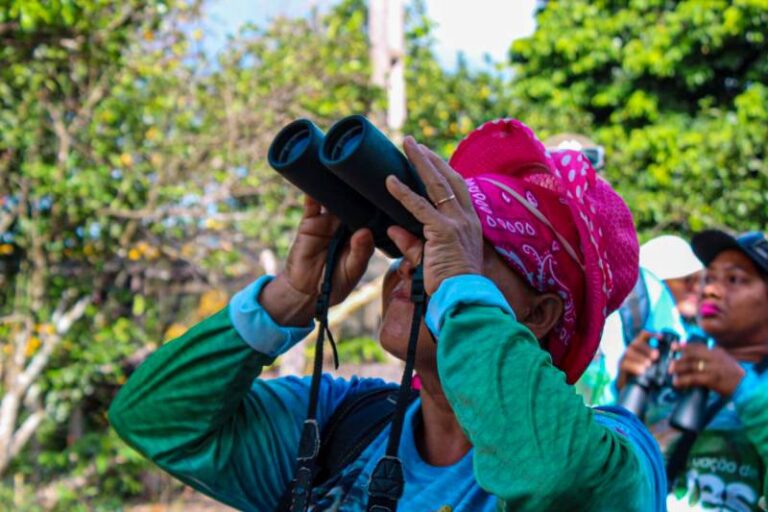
(345,171)
(690,409)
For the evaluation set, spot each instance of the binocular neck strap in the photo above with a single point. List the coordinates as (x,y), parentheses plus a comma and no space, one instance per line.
(387,481)
(309,445)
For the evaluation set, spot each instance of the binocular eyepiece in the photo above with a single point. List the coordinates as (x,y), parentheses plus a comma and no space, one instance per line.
(690,409)
(345,171)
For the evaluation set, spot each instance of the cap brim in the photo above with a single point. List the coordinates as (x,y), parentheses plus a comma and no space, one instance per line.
(708,244)
(757,250)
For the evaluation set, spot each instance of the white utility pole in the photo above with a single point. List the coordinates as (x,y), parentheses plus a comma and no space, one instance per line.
(386,28)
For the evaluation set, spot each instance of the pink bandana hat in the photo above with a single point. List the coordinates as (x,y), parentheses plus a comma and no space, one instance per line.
(558,225)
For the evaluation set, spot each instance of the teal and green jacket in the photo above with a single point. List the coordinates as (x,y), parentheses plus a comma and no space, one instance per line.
(199,410)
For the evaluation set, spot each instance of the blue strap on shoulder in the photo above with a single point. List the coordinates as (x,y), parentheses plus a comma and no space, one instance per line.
(624,422)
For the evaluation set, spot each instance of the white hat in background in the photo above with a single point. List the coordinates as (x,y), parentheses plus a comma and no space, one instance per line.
(669,257)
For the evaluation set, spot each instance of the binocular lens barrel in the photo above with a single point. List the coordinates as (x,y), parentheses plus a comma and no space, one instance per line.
(691,409)
(295,152)
(634,398)
(347,143)
(360,155)
(292,148)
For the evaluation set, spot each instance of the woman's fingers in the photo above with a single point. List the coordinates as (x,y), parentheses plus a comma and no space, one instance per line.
(638,357)
(311,207)
(637,362)
(436,185)
(413,202)
(635,367)
(454,179)
(691,357)
(711,368)
(699,379)
(361,247)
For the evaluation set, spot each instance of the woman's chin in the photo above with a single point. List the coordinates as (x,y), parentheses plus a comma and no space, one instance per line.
(396,327)
(394,341)
(712,325)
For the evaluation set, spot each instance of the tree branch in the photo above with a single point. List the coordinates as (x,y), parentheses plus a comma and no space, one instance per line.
(14,318)
(62,323)
(6,219)
(29,426)
(62,134)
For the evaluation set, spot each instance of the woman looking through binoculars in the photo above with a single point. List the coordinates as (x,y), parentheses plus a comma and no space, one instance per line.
(724,467)
(524,254)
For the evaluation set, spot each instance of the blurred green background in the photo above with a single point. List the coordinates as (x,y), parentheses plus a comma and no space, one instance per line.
(134,194)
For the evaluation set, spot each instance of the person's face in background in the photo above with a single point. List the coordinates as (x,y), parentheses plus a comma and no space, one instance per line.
(734,305)
(687,292)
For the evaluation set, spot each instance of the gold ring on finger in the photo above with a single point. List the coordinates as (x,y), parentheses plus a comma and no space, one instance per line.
(445,200)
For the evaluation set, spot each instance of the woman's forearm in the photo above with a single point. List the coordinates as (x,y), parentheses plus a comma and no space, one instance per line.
(537,447)
(191,409)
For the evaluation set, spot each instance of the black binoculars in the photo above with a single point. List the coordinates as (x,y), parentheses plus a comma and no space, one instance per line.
(690,409)
(345,171)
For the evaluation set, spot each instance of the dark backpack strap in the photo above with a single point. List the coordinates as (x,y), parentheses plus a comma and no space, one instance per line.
(679,456)
(353,426)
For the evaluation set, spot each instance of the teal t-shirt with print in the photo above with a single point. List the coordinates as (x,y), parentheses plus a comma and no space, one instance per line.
(724,471)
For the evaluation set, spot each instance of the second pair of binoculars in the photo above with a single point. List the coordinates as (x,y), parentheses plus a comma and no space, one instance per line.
(345,171)
(690,409)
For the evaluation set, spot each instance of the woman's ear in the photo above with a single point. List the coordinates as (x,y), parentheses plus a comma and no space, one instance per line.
(544,311)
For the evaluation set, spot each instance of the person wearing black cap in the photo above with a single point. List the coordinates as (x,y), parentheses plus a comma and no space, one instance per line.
(725,468)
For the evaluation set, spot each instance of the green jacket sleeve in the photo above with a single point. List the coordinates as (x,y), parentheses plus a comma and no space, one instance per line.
(194,409)
(537,447)
(751,399)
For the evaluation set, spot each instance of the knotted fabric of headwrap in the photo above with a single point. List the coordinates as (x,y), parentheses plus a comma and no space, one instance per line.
(558,225)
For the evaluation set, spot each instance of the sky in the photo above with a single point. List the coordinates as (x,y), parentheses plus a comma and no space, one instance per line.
(474,27)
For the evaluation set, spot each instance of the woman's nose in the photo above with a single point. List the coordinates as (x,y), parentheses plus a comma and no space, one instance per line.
(711,289)
(405,269)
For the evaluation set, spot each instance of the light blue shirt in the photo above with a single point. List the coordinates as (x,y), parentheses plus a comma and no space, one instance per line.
(427,487)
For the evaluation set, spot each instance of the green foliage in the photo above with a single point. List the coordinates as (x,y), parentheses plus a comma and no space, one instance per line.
(444,106)
(676,91)
(361,350)
(316,68)
(91,101)
(132,175)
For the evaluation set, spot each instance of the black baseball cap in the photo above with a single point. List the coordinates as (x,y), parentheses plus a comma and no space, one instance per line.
(708,244)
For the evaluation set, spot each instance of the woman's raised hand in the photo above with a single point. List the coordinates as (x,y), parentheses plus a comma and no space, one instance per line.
(713,368)
(290,298)
(453,235)
(638,357)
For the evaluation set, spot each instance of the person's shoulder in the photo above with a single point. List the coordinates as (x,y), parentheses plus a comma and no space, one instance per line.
(626,424)
(622,421)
